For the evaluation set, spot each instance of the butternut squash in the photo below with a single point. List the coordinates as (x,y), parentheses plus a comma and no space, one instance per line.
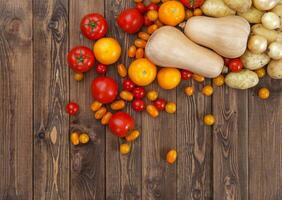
(169,47)
(228,36)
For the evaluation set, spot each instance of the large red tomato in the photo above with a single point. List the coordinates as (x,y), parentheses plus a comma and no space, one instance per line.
(130,20)
(104,89)
(94,26)
(192,3)
(120,123)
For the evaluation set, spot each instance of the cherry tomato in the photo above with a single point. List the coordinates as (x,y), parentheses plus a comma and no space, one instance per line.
(138,92)
(81,59)
(192,3)
(153,6)
(185,74)
(160,104)
(147,21)
(128,85)
(101,68)
(72,108)
(138,105)
(104,89)
(120,123)
(94,26)
(141,7)
(130,20)
(227,61)
(235,65)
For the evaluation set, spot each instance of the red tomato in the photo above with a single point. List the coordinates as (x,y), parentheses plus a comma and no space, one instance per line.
(141,7)
(147,21)
(185,74)
(128,85)
(160,104)
(101,68)
(104,89)
(235,65)
(120,123)
(138,105)
(81,59)
(93,26)
(72,108)
(192,3)
(153,6)
(138,92)
(130,20)
(227,61)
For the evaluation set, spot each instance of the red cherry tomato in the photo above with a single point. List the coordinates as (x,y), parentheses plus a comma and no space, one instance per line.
(192,3)
(101,68)
(81,59)
(185,74)
(227,61)
(235,65)
(141,7)
(128,85)
(138,105)
(72,108)
(160,104)
(147,21)
(153,6)
(138,92)
(130,20)
(104,89)
(121,123)
(93,26)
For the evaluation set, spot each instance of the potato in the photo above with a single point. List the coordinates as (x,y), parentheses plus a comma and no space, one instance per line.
(254,61)
(239,5)
(216,8)
(274,69)
(242,80)
(252,15)
(270,35)
(277,10)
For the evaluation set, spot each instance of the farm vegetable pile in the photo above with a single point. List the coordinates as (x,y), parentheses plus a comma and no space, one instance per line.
(233,42)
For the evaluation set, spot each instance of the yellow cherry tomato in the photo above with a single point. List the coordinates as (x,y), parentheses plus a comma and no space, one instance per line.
(152,95)
(172,13)
(219,81)
(96,105)
(260,72)
(126,95)
(152,15)
(209,120)
(142,72)
(198,12)
(264,93)
(189,91)
(171,156)
(122,71)
(152,111)
(124,148)
(118,105)
(170,107)
(169,78)
(143,35)
(131,51)
(78,76)
(207,90)
(106,118)
(107,50)
(151,29)
(84,138)
(74,138)
(132,136)
(100,113)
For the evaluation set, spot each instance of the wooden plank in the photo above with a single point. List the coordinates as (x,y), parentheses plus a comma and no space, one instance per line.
(123,172)
(230,144)
(87,161)
(265,138)
(16,99)
(194,141)
(51,93)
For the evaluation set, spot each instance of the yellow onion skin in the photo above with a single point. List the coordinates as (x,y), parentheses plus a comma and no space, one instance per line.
(275,50)
(257,44)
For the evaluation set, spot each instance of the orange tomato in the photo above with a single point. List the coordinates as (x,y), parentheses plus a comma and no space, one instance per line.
(169,78)
(142,72)
(140,43)
(207,90)
(78,76)
(172,13)
(209,120)
(106,118)
(131,51)
(152,111)
(96,105)
(219,81)
(124,148)
(132,136)
(107,50)
(198,78)
(118,105)
(125,95)
(122,71)
(100,113)
(189,91)
(74,138)
(143,36)
(189,14)
(151,29)
(171,156)
(139,53)
(152,15)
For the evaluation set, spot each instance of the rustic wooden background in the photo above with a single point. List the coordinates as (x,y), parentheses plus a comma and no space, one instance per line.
(239,158)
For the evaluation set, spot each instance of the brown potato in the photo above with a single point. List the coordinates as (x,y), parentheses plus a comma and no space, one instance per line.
(239,5)
(242,80)
(216,8)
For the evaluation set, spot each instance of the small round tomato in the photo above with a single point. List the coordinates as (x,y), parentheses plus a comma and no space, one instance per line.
(185,74)
(141,7)
(138,92)
(138,105)
(235,65)
(192,3)
(120,123)
(130,20)
(128,85)
(104,89)
(160,104)
(147,21)
(72,108)
(94,26)
(81,59)
(153,6)
(101,69)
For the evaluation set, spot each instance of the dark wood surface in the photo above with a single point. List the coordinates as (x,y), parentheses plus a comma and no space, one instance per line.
(239,158)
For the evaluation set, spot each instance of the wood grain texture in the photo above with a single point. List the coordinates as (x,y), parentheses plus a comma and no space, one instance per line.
(265,143)
(51,93)
(16,100)
(87,161)
(194,163)
(230,144)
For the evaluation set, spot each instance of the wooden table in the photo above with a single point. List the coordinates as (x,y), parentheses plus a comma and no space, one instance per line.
(239,158)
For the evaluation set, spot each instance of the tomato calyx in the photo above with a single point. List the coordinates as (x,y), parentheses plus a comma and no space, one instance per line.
(92,25)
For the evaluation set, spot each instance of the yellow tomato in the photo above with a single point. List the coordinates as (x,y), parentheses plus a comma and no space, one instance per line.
(264,93)
(207,90)
(124,148)
(172,13)
(78,76)
(84,138)
(219,81)
(171,156)
(152,15)
(74,138)
(209,120)
(169,78)
(107,50)
(152,95)
(142,72)
(170,107)
(260,72)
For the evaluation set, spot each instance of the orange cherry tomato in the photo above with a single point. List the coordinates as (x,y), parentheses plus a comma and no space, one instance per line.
(172,13)
(198,12)
(152,110)
(219,81)
(74,137)
(152,15)
(207,90)
(140,43)
(126,95)
(169,78)
(118,105)
(78,76)
(143,35)
(264,93)
(131,51)
(96,105)
(189,91)
(170,107)
(122,71)
(152,95)
(171,156)
(151,29)
(139,53)
(106,118)
(198,78)
(100,113)
(132,136)
(209,120)
(84,138)
(124,148)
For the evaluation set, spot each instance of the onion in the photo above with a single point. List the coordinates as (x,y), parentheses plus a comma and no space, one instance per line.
(257,44)
(270,20)
(275,50)
(265,4)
